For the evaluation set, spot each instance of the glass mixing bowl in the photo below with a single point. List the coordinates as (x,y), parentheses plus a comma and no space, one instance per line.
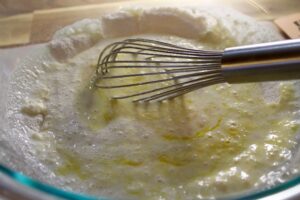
(16,185)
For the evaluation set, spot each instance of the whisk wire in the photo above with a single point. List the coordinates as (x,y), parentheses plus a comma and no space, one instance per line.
(184,69)
(180,90)
(117,47)
(163,88)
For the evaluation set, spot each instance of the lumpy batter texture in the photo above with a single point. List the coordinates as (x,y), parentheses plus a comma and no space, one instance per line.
(215,141)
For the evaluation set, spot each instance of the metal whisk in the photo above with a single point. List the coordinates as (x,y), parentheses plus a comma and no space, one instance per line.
(167,70)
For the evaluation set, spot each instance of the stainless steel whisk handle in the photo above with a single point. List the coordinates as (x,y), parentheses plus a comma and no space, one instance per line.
(262,62)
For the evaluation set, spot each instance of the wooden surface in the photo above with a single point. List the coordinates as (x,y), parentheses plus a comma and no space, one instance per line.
(15,29)
(40,25)
(14,7)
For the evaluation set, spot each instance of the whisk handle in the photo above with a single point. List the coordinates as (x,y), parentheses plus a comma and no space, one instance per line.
(262,62)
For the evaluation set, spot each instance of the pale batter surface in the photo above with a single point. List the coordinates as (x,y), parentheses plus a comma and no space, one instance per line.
(215,141)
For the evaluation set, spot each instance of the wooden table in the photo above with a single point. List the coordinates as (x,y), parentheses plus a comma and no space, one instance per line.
(40,25)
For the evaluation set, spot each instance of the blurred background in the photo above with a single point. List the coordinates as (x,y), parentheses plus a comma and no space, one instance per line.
(34,21)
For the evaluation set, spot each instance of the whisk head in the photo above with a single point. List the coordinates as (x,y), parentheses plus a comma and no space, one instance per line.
(150,70)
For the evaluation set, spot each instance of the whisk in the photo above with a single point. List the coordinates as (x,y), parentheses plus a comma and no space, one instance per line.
(183,70)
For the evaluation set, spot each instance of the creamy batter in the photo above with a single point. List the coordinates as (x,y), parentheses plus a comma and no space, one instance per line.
(215,141)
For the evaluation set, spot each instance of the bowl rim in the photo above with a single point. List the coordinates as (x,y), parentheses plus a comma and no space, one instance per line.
(14,184)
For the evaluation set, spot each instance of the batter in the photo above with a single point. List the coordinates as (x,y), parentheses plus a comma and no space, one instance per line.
(212,142)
